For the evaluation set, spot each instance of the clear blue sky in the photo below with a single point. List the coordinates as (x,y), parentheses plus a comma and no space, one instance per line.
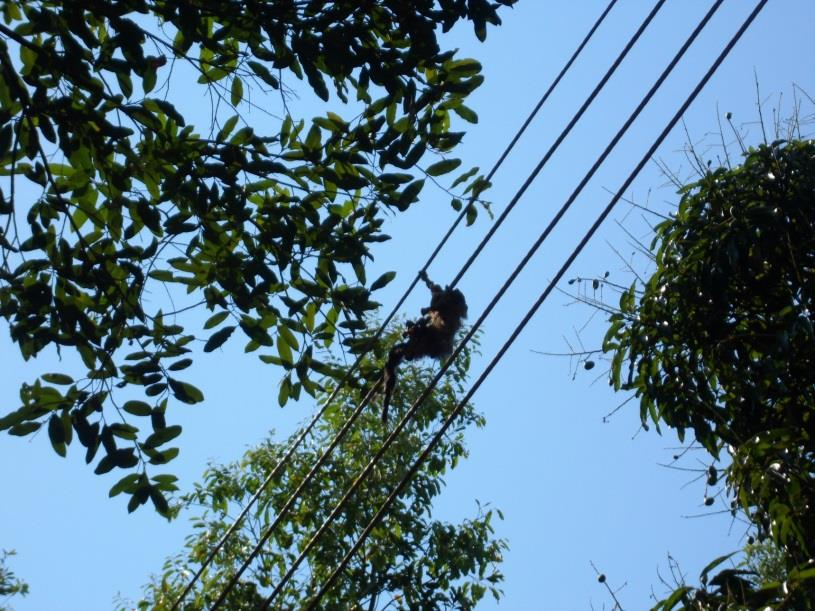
(572,488)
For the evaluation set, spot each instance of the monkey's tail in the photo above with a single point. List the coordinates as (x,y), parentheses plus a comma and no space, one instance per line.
(395,357)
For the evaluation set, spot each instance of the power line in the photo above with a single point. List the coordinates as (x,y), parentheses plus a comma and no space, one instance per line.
(437,437)
(287,456)
(293,497)
(558,141)
(552,87)
(414,407)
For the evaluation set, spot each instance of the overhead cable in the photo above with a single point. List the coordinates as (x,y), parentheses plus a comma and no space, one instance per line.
(460,406)
(305,431)
(390,439)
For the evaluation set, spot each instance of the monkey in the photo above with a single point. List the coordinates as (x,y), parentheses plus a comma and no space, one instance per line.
(432,335)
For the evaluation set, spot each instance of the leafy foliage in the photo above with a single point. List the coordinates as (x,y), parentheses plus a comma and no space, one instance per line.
(720,342)
(765,561)
(10,585)
(112,196)
(410,561)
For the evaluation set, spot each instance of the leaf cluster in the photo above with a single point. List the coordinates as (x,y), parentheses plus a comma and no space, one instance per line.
(720,342)
(410,561)
(111,195)
(10,584)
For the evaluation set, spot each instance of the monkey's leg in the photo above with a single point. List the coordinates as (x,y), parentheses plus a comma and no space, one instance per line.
(395,357)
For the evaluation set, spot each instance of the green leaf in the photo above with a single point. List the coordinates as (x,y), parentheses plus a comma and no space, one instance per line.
(16,417)
(125,83)
(471,215)
(314,138)
(162,275)
(137,408)
(24,428)
(163,436)
(270,359)
(410,194)
(261,71)
(285,130)
(284,350)
(5,141)
(464,177)
(159,501)
(289,337)
(57,378)
(165,479)
(466,113)
(443,167)
(162,457)
(185,392)
(217,339)
(126,484)
(215,320)
(284,392)
(105,465)
(149,79)
(397,178)
(383,280)
(56,433)
(712,565)
(675,598)
(124,431)
(242,136)
(139,497)
(236,91)
(463,68)
(155,389)
(180,365)
(359,271)
(229,125)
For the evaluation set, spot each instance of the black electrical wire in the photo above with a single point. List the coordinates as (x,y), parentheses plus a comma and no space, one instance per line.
(557,142)
(492,304)
(293,497)
(437,437)
(290,451)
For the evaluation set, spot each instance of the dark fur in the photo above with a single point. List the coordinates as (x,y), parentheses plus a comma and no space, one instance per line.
(432,335)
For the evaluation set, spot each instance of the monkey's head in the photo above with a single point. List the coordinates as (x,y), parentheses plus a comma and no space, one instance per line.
(450,304)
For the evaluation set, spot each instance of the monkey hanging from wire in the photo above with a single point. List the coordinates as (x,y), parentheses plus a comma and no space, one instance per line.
(432,335)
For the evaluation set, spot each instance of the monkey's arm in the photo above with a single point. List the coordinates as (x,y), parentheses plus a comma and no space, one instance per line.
(434,288)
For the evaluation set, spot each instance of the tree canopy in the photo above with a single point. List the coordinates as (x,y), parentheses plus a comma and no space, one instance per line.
(718,342)
(110,196)
(410,561)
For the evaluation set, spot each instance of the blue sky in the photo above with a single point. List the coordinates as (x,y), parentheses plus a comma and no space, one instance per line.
(573,489)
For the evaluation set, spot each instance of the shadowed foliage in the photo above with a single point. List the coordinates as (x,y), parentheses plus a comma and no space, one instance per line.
(410,561)
(129,235)
(719,342)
